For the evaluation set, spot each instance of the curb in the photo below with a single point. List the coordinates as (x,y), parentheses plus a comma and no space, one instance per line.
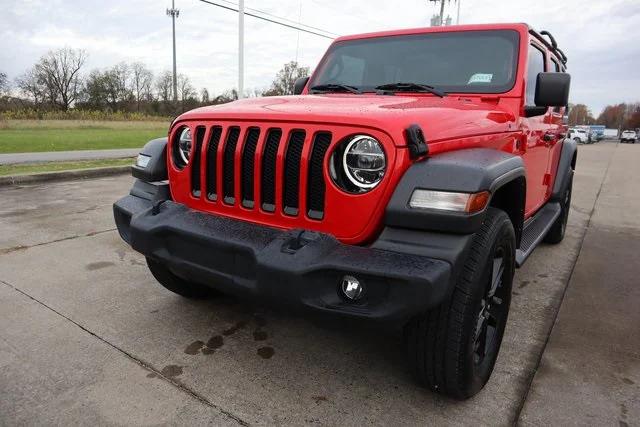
(63,175)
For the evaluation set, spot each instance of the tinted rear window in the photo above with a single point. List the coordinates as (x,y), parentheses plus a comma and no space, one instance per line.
(465,62)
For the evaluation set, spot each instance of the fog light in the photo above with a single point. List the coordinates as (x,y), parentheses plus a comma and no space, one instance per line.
(352,288)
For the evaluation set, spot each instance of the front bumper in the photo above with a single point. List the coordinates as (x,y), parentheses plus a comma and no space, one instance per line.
(296,268)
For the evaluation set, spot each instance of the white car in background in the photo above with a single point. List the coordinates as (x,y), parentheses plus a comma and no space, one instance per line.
(628,136)
(579,135)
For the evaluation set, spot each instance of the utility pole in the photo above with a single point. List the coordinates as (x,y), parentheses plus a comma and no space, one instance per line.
(241,49)
(174,13)
(442,21)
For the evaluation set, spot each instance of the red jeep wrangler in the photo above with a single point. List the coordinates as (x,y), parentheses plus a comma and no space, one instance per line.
(414,171)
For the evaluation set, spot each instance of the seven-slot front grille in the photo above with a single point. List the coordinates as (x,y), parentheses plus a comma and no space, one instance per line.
(249,161)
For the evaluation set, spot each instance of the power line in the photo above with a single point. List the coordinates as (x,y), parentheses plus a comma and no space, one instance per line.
(281,18)
(292,26)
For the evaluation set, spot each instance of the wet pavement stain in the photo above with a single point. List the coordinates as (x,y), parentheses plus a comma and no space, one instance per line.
(266,352)
(319,399)
(235,328)
(152,375)
(194,348)
(136,262)
(627,381)
(523,284)
(213,344)
(543,275)
(171,371)
(98,265)
(259,335)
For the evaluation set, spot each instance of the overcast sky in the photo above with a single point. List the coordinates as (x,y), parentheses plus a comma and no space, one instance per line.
(601,38)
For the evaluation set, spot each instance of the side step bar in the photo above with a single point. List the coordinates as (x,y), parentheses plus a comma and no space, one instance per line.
(535,229)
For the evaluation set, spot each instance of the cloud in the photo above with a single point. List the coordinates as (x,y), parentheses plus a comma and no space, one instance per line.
(600,38)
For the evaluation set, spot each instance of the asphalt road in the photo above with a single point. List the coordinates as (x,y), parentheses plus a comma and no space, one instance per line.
(57,156)
(87,336)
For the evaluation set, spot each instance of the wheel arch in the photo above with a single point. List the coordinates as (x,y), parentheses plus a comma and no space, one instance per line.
(469,170)
(510,197)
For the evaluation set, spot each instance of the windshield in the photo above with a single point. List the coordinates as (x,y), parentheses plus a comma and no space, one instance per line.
(462,62)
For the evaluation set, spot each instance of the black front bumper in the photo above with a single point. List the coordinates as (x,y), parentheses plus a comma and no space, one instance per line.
(296,268)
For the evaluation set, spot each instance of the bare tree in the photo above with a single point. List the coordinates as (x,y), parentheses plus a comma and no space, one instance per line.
(164,86)
(185,90)
(31,86)
(116,85)
(286,77)
(60,72)
(95,92)
(141,79)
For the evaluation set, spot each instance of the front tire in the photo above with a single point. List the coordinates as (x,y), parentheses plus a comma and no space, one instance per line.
(176,284)
(453,348)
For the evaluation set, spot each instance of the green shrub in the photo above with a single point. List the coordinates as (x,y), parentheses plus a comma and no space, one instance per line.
(32,114)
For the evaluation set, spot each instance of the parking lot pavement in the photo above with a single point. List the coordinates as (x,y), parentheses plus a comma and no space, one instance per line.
(87,335)
(590,371)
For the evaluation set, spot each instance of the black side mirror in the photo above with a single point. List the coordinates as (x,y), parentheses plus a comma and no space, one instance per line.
(552,89)
(299,85)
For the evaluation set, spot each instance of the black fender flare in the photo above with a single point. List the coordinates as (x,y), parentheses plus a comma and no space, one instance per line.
(465,171)
(566,166)
(156,169)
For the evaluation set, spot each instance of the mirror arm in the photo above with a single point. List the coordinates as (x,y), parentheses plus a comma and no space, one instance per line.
(533,111)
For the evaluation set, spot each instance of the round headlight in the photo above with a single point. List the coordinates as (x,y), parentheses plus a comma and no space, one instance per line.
(184,145)
(364,162)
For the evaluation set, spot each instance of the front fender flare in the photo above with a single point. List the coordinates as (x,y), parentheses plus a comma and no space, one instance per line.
(464,171)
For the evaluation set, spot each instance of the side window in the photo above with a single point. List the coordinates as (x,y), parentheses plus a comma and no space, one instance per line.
(536,66)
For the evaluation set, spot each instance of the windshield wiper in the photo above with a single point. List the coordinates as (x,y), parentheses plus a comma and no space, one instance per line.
(331,87)
(411,87)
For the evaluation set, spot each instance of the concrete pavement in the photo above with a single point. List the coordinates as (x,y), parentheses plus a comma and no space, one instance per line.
(57,156)
(590,370)
(90,337)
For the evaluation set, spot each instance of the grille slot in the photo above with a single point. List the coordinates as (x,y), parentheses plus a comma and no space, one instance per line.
(290,199)
(248,160)
(268,178)
(315,180)
(222,170)
(212,158)
(195,162)
(228,169)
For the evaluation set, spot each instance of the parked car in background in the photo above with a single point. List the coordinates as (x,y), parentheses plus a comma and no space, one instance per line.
(628,136)
(597,132)
(580,136)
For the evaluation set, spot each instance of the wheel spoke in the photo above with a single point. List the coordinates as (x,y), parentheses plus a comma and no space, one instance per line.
(496,276)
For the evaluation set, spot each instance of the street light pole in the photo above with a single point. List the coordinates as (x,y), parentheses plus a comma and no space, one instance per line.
(240,49)
(174,13)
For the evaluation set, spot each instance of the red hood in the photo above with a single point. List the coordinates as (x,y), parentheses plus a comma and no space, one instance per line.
(440,118)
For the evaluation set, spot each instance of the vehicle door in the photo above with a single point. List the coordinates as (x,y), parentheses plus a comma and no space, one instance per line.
(556,133)
(536,129)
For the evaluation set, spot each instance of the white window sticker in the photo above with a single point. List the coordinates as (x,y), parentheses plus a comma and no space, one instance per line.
(481,78)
